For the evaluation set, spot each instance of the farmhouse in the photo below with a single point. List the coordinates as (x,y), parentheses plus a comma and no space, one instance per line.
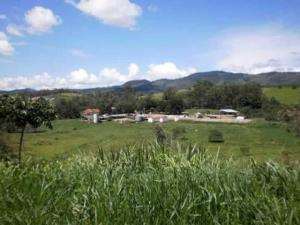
(91,115)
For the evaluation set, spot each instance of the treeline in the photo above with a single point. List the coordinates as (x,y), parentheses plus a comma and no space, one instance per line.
(248,98)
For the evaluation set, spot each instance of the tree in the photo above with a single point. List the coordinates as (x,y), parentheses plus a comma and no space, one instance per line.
(172,102)
(22,111)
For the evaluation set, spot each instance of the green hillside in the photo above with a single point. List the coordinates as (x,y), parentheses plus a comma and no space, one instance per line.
(285,95)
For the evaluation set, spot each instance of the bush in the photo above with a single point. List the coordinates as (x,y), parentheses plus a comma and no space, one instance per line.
(216,136)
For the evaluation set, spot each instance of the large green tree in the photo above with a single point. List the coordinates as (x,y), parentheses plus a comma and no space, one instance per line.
(22,112)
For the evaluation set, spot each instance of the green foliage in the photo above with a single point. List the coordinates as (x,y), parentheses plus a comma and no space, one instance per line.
(22,111)
(215,136)
(271,109)
(172,102)
(143,185)
(207,95)
(147,103)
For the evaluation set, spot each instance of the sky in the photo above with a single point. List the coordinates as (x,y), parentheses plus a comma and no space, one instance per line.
(97,43)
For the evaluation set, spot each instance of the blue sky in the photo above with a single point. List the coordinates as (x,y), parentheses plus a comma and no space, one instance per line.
(90,43)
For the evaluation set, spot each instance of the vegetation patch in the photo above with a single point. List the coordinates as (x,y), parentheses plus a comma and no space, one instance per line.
(289,95)
(145,185)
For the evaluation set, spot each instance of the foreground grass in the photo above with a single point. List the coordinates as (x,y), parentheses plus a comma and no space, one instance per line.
(265,140)
(285,95)
(147,185)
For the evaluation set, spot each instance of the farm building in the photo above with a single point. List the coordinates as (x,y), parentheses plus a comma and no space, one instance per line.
(230,112)
(91,115)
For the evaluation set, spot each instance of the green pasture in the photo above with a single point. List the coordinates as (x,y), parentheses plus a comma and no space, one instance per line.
(285,95)
(264,140)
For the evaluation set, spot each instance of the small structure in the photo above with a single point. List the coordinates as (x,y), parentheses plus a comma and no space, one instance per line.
(124,120)
(139,118)
(150,120)
(199,115)
(230,112)
(91,115)
(157,118)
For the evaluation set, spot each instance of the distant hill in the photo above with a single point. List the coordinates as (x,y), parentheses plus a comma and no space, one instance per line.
(216,77)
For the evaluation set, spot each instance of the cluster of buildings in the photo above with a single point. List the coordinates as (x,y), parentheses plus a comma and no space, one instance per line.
(223,115)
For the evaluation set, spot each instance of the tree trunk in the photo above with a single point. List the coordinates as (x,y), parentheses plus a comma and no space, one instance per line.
(21,144)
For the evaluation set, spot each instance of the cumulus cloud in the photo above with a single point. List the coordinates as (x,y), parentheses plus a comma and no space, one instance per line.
(258,50)
(121,13)
(82,78)
(41,20)
(133,70)
(40,81)
(168,70)
(6,47)
(79,78)
(15,30)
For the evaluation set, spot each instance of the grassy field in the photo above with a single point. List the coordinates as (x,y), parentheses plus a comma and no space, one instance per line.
(285,95)
(265,140)
(148,185)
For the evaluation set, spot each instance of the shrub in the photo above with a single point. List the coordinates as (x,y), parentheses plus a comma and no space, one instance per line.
(216,136)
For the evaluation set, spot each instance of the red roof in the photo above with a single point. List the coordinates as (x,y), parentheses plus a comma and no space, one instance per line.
(88,112)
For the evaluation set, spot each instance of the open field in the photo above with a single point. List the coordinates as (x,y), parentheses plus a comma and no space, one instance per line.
(265,140)
(148,185)
(285,95)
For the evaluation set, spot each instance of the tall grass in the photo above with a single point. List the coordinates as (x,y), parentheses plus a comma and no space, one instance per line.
(147,185)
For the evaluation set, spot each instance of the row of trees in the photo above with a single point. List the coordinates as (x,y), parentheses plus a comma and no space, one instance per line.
(248,98)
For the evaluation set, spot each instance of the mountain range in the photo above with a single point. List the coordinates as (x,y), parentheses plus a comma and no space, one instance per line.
(216,77)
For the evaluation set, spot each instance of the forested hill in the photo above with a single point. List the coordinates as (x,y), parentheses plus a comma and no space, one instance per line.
(216,77)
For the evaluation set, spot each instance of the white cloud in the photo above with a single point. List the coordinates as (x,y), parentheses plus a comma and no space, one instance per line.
(40,81)
(5,46)
(79,53)
(168,70)
(81,78)
(257,50)
(41,20)
(15,30)
(3,17)
(133,70)
(121,13)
